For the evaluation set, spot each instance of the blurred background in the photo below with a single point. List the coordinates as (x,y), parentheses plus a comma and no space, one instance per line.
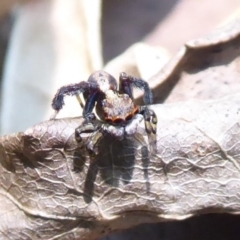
(47,44)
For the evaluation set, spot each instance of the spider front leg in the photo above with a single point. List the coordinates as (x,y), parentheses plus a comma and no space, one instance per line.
(150,119)
(127,82)
(68,90)
(90,127)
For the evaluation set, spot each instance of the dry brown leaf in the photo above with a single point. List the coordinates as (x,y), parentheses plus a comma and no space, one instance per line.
(206,68)
(60,191)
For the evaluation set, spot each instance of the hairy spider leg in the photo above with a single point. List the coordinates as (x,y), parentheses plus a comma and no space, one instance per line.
(94,139)
(68,90)
(89,127)
(150,119)
(127,82)
(90,104)
(85,128)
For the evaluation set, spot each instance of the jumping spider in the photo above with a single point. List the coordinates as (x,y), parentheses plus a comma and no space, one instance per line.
(114,106)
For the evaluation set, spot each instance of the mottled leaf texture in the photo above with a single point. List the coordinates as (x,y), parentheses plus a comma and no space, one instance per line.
(51,188)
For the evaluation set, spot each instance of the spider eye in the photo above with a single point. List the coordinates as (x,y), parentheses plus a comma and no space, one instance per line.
(129,117)
(136,110)
(118,120)
(108,120)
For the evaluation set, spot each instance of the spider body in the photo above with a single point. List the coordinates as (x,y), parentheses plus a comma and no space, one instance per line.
(114,105)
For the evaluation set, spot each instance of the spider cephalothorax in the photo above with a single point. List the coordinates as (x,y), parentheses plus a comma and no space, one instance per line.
(118,108)
(114,105)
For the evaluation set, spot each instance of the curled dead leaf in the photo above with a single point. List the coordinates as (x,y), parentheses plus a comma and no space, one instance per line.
(59,191)
(54,181)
